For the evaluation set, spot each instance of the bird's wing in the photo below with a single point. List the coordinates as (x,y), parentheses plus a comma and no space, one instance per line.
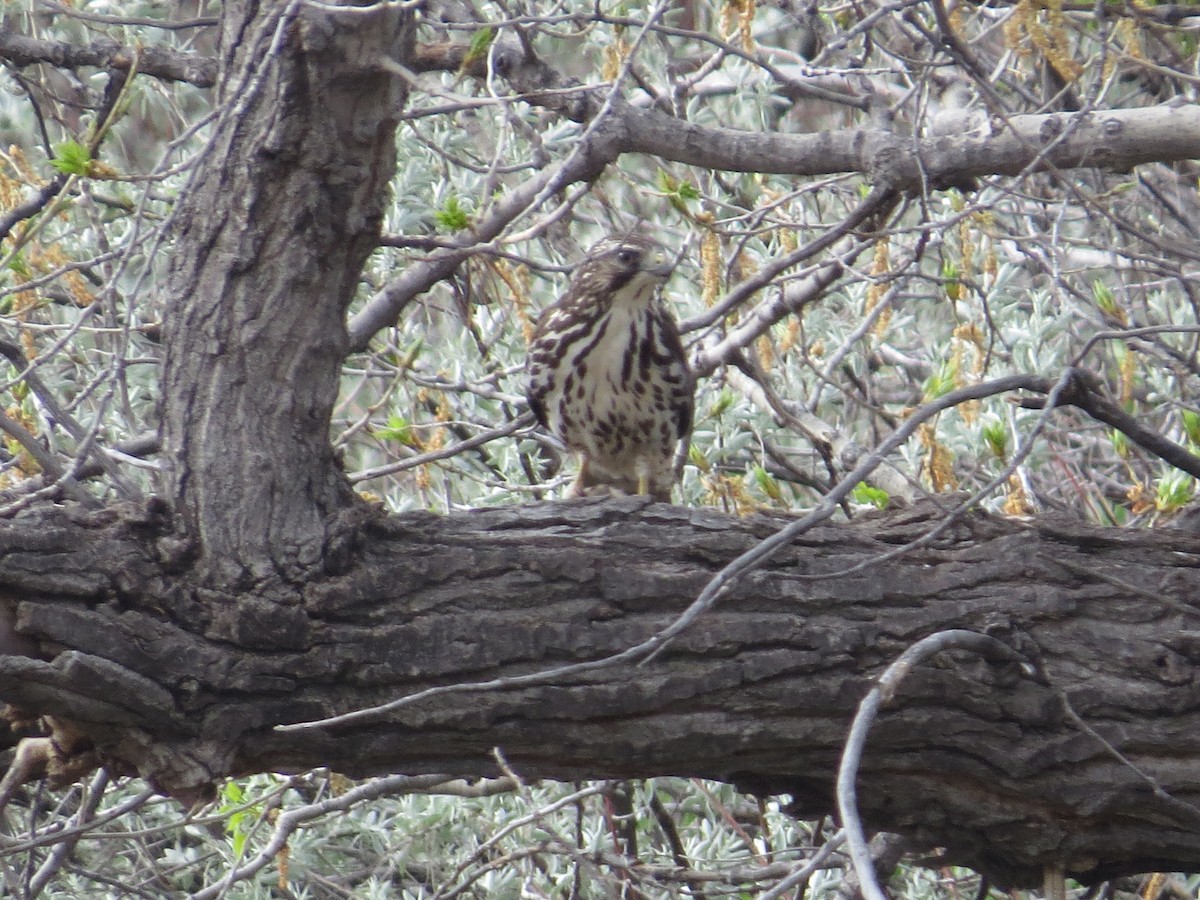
(537,385)
(534,397)
(685,409)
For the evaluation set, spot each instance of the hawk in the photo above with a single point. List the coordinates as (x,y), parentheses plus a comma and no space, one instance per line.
(607,372)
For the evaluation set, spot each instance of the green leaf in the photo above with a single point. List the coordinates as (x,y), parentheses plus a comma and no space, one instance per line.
(950,280)
(452,216)
(239,821)
(677,192)
(767,484)
(71,158)
(723,402)
(1175,489)
(1191,426)
(481,40)
(995,435)
(232,794)
(20,266)
(942,381)
(1120,443)
(1106,301)
(872,496)
(398,429)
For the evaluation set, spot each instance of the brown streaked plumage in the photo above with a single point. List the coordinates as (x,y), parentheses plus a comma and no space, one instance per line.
(607,371)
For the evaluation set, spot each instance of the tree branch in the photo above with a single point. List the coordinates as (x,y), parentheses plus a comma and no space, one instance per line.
(1087,394)
(103,53)
(759,691)
(1111,139)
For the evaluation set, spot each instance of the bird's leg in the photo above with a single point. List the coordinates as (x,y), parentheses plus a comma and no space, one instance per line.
(643,476)
(579,486)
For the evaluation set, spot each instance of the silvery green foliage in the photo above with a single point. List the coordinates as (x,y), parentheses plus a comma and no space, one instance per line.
(1002,275)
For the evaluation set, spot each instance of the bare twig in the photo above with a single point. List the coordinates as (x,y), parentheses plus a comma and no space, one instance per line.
(1086,393)
(883,691)
(288,821)
(522,421)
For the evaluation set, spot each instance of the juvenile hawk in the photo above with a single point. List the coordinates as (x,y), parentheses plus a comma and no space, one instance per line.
(607,371)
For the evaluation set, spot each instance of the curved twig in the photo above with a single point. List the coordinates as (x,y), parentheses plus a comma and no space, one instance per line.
(884,689)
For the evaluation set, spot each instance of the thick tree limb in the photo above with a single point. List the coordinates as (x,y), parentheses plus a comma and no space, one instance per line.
(103,53)
(970,755)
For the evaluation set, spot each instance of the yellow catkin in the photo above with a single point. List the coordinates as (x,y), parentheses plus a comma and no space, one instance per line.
(516,279)
(968,336)
(1059,54)
(766,352)
(24,171)
(1129,33)
(1154,886)
(791,337)
(1026,31)
(10,190)
(969,411)
(615,55)
(746,25)
(23,303)
(938,464)
(956,19)
(47,259)
(26,465)
(710,267)
(788,242)
(967,244)
(730,15)
(742,267)
(881,264)
(281,862)
(1140,499)
(1016,501)
(1017,26)
(729,493)
(1128,370)
(991,265)
(437,436)
(958,352)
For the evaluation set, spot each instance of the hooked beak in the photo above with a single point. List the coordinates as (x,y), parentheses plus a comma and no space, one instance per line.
(658,264)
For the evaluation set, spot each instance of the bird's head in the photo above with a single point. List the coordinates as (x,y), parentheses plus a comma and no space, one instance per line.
(628,266)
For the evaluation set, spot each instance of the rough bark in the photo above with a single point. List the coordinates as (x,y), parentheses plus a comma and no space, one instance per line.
(981,758)
(178,637)
(104,53)
(272,234)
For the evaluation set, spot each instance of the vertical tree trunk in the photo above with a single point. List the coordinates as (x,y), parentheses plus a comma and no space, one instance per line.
(271,236)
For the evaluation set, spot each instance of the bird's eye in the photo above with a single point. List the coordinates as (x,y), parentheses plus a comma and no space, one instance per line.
(627,256)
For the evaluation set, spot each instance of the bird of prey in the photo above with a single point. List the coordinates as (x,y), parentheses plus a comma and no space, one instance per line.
(608,375)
